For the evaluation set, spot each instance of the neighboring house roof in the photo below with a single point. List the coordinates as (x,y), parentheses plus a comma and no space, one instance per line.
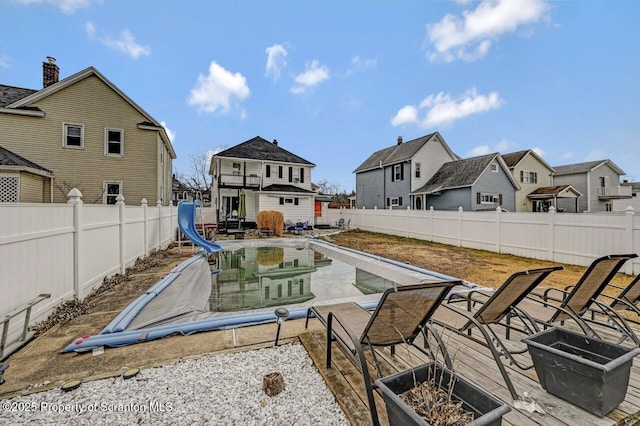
(399,153)
(512,159)
(11,94)
(635,186)
(461,173)
(588,166)
(20,99)
(560,191)
(177,186)
(286,188)
(261,149)
(12,161)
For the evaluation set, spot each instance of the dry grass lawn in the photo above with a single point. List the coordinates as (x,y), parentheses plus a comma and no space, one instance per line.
(477,266)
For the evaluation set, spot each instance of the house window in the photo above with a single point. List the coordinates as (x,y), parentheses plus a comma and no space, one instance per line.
(494,168)
(486,198)
(288,201)
(279,172)
(267,170)
(418,170)
(393,201)
(290,174)
(236,169)
(397,172)
(604,181)
(301,174)
(9,189)
(114,142)
(110,191)
(73,136)
(528,177)
(608,207)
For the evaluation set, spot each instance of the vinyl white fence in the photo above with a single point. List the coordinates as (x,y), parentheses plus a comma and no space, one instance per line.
(67,250)
(570,238)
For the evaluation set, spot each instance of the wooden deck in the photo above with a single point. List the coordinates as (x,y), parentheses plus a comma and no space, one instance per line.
(473,362)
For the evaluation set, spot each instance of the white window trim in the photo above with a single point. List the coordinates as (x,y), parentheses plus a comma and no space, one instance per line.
(104,188)
(394,201)
(106,141)
(64,135)
(397,172)
(495,198)
(15,176)
(418,171)
(493,167)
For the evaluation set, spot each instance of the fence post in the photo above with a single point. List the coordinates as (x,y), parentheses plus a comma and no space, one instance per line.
(460,210)
(408,221)
(121,245)
(75,198)
(431,224)
(551,234)
(159,205)
(144,205)
(498,229)
(629,214)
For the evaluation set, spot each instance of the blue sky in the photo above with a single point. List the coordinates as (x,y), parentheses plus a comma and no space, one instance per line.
(335,81)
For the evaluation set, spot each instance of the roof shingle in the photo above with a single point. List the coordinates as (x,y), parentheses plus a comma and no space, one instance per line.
(261,149)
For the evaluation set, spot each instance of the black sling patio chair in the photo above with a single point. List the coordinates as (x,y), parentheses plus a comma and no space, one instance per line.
(399,318)
(495,309)
(581,301)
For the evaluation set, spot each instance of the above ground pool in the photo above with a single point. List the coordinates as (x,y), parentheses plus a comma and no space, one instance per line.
(246,281)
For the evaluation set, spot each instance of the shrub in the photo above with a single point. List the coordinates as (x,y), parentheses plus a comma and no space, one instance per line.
(273,220)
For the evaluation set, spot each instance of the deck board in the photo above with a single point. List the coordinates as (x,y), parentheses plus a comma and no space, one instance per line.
(473,362)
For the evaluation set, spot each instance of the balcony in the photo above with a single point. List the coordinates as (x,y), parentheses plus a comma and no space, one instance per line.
(239,181)
(614,192)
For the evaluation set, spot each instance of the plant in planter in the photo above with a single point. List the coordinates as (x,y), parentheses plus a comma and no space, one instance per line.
(448,400)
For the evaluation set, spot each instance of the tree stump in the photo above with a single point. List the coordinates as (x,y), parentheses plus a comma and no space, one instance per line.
(273,384)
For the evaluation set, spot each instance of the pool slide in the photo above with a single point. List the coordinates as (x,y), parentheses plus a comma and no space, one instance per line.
(186,222)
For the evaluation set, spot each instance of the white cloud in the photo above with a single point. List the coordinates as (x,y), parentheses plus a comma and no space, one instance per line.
(4,61)
(313,75)
(566,155)
(216,90)
(361,64)
(276,61)
(406,115)
(596,154)
(539,151)
(502,146)
(66,6)
(170,133)
(470,37)
(126,43)
(479,150)
(444,109)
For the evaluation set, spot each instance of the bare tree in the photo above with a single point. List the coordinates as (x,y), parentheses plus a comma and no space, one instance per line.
(328,188)
(198,178)
(64,187)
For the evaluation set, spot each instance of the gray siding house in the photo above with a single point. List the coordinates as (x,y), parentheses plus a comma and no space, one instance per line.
(478,183)
(598,181)
(387,178)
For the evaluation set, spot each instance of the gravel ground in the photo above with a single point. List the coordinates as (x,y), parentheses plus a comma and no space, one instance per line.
(218,390)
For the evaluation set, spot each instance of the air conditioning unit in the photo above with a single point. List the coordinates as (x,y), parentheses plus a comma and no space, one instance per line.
(296,180)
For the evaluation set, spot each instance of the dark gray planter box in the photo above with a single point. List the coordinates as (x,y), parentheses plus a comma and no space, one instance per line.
(590,373)
(487,410)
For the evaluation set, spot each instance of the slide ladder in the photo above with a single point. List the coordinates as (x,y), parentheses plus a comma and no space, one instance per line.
(186,222)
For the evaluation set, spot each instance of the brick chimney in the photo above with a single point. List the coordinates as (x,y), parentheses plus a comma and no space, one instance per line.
(399,140)
(50,72)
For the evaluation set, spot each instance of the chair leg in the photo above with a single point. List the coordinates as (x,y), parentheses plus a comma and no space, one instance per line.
(329,339)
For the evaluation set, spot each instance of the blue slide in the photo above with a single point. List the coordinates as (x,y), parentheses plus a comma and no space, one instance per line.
(186,222)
